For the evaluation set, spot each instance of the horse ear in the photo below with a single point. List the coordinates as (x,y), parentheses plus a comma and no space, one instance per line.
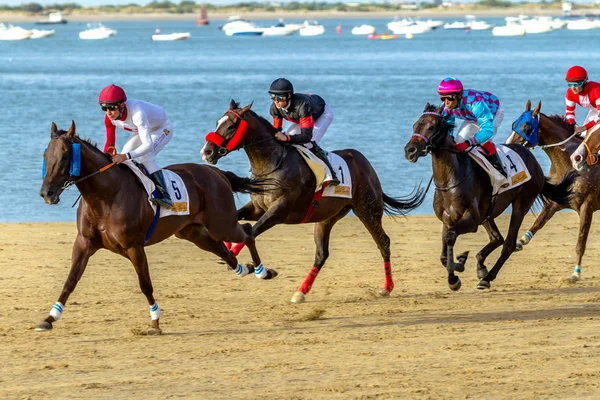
(232,104)
(247,108)
(537,109)
(426,107)
(53,130)
(440,109)
(71,131)
(528,105)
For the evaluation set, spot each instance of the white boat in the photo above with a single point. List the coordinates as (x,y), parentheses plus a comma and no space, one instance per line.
(582,24)
(457,25)
(512,28)
(167,37)
(242,27)
(14,33)
(433,23)
(311,28)
(536,25)
(412,28)
(282,29)
(53,18)
(97,32)
(41,33)
(363,30)
(475,25)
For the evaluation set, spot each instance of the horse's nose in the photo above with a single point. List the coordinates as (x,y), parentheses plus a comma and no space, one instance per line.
(48,193)
(410,152)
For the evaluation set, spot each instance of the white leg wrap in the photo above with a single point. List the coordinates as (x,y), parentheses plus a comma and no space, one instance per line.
(577,272)
(57,310)
(155,312)
(242,270)
(260,272)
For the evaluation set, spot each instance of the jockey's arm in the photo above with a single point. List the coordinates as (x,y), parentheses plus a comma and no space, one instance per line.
(593,121)
(277,117)
(111,135)
(485,120)
(306,127)
(143,126)
(570,108)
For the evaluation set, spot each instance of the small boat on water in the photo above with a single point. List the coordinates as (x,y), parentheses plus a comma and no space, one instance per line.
(363,30)
(241,27)
(11,32)
(311,28)
(512,28)
(281,29)
(167,37)
(97,32)
(203,18)
(41,33)
(383,36)
(53,18)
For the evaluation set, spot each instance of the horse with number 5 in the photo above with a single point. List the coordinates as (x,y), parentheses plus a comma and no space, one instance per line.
(463,197)
(115,213)
(290,203)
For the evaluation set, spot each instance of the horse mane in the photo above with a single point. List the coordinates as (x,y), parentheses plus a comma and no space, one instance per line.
(561,120)
(263,120)
(89,143)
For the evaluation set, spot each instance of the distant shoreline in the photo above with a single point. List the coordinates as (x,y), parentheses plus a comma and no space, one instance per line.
(221,16)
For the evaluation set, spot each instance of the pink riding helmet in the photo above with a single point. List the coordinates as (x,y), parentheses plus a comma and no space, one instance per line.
(450,85)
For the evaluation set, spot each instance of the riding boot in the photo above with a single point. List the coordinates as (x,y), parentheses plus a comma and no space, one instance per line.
(319,152)
(494,159)
(163,199)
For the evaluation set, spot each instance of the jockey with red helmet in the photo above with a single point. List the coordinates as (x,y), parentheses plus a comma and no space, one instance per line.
(586,94)
(150,131)
(482,115)
(309,115)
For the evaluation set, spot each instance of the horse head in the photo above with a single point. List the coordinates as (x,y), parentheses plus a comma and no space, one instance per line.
(229,135)
(59,163)
(525,129)
(587,154)
(429,133)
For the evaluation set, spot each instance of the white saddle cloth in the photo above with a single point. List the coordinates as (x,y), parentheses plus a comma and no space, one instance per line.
(513,165)
(175,187)
(322,173)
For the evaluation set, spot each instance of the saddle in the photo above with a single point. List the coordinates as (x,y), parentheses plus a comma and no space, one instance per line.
(323,175)
(517,173)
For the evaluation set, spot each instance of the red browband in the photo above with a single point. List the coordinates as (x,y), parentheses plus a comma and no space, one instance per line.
(240,132)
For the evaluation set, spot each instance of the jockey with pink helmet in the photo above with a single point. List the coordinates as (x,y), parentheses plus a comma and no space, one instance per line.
(585,93)
(482,115)
(150,131)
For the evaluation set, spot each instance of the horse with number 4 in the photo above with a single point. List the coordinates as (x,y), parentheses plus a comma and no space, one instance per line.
(464,198)
(567,151)
(298,199)
(115,213)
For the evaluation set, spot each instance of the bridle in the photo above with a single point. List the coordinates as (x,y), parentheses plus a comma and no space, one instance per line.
(429,142)
(591,158)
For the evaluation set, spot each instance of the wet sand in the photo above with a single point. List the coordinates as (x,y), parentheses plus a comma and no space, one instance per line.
(533,335)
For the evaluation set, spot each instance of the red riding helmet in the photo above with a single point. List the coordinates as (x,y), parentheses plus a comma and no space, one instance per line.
(576,74)
(112,94)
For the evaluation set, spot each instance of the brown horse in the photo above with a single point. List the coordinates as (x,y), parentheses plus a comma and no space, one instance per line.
(463,197)
(115,213)
(558,139)
(288,204)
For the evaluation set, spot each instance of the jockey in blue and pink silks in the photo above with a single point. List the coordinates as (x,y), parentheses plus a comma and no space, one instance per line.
(482,115)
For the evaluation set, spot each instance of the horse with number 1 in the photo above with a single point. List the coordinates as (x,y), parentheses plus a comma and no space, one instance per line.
(294,200)
(115,213)
(464,197)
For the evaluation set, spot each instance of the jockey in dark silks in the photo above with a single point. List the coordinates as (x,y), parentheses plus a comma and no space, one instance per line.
(310,118)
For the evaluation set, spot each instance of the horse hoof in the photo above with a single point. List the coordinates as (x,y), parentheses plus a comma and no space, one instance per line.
(574,278)
(271,273)
(298,297)
(483,284)
(482,272)
(519,246)
(44,326)
(462,258)
(250,268)
(456,285)
(384,293)
(154,331)
(459,267)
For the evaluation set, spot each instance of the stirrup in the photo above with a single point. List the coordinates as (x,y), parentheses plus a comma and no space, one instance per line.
(334,182)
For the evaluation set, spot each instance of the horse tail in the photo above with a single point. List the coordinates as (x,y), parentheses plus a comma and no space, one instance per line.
(560,193)
(403,205)
(249,185)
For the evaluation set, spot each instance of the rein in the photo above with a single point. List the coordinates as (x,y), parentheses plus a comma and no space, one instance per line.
(559,143)
(68,183)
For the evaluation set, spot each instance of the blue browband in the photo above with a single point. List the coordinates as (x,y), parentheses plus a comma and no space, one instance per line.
(75,163)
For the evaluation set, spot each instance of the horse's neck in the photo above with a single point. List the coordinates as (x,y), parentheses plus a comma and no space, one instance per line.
(263,156)
(102,187)
(446,166)
(559,155)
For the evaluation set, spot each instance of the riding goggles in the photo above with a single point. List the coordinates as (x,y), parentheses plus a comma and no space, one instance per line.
(111,107)
(577,84)
(449,98)
(279,97)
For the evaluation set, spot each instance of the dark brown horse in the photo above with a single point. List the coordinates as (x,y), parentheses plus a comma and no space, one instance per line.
(463,196)
(558,139)
(289,203)
(115,213)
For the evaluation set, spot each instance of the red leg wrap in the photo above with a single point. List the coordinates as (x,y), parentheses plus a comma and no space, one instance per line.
(237,248)
(489,148)
(389,282)
(308,281)
(228,245)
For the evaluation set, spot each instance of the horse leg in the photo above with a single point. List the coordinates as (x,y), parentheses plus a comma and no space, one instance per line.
(244,235)
(249,212)
(83,249)
(586,213)
(137,256)
(496,241)
(322,234)
(464,225)
(548,211)
(516,219)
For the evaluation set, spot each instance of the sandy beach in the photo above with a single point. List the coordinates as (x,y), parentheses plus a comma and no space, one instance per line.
(533,335)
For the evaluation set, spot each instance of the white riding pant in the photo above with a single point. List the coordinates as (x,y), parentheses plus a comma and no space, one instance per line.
(319,128)
(468,129)
(160,138)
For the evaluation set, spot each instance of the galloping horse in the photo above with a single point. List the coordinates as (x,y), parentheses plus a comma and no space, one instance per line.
(115,213)
(288,204)
(558,139)
(463,197)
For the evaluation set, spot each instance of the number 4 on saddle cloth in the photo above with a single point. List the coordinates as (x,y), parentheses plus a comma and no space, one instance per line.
(323,175)
(513,165)
(175,187)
